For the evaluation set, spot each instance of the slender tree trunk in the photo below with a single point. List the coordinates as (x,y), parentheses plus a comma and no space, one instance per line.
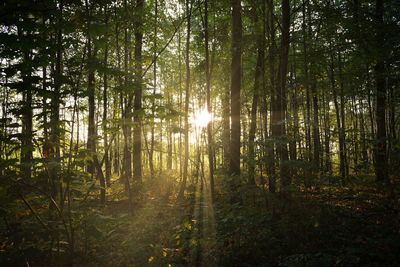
(258,82)
(126,105)
(339,126)
(91,137)
(253,124)
(392,135)
(55,112)
(281,92)
(210,141)
(151,154)
(187,97)
(316,137)
(170,140)
(306,84)
(107,161)
(363,137)
(137,132)
(180,106)
(270,146)
(342,130)
(161,146)
(116,163)
(27,123)
(235,87)
(316,143)
(355,139)
(327,136)
(226,126)
(295,109)
(91,141)
(381,171)
(342,168)
(46,148)
(392,118)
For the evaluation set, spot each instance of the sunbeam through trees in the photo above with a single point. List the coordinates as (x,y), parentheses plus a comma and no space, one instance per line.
(199,133)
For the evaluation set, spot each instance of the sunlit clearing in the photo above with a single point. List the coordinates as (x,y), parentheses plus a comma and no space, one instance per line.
(202,118)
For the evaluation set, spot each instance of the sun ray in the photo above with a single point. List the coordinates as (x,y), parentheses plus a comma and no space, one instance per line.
(201,118)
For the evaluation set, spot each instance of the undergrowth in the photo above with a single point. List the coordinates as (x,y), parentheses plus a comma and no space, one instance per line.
(331,226)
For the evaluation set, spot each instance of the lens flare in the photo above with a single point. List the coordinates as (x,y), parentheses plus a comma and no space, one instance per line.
(202,118)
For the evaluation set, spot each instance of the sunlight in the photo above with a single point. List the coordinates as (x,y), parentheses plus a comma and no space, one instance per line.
(201,118)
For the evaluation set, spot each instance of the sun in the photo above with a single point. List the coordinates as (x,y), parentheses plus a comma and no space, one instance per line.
(201,118)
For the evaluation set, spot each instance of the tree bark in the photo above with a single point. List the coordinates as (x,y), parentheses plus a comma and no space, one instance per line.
(316,137)
(257,89)
(210,141)
(91,137)
(151,152)
(235,87)
(55,113)
(381,171)
(187,97)
(126,104)
(280,101)
(105,108)
(27,122)
(137,130)
(270,146)
(342,130)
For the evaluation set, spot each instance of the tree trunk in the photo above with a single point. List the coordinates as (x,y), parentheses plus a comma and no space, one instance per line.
(281,95)
(137,130)
(27,122)
(105,109)
(151,152)
(327,136)
(55,113)
(306,84)
(235,87)
(91,137)
(342,130)
(209,105)
(381,171)
(258,80)
(187,97)
(126,105)
(226,126)
(316,137)
(253,124)
(294,137)
(342,168)
(270,146)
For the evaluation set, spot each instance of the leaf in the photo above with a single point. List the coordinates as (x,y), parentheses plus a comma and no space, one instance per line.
(153,96)
(151,259)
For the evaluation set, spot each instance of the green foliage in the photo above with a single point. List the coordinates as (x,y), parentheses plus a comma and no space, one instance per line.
(331,227)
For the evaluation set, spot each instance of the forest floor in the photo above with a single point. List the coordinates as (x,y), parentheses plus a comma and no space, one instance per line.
(331,226)
(246,226)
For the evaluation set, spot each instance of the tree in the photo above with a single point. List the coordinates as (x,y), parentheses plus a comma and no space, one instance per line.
(235,87)
(209,105)
(279,104)
(258,82)
(187,97)
(380,147)
(137,132)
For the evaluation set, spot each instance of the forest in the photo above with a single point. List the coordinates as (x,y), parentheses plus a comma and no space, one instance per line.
(199,132)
